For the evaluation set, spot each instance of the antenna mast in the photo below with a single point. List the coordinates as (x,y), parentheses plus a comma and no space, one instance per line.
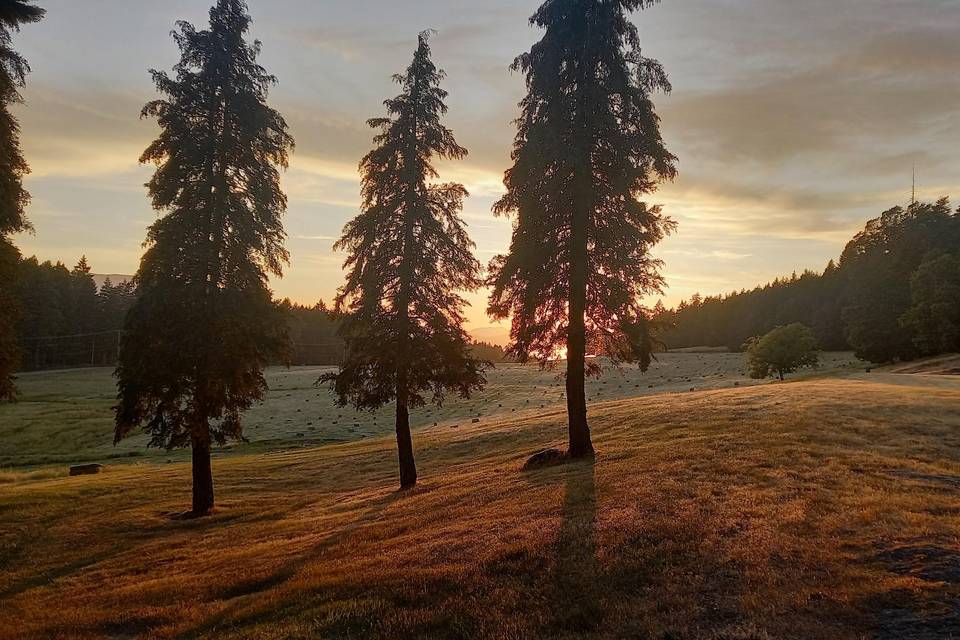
(913,191)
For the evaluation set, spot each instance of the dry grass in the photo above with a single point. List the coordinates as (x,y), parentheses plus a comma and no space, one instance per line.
(941,365)
(65,417)
(821,509)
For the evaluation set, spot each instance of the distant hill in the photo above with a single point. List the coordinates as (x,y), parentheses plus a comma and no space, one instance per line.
(115,278)
(498,335)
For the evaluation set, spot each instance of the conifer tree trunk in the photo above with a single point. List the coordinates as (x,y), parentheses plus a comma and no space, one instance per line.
(408,468)
(579,431)
(202,475)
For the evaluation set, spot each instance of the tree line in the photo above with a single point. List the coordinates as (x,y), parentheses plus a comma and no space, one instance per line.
(894,294)
(66,320)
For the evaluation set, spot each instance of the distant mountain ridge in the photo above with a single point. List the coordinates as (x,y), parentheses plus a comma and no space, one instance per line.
(115,278)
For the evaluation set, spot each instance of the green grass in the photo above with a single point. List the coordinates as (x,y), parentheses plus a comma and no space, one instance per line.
(65,417)
(824,509)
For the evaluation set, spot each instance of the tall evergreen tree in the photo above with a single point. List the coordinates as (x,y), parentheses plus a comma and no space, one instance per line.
(13,197)
(83,302)
(204,326)
(588,147)
(9,315)
(409,256)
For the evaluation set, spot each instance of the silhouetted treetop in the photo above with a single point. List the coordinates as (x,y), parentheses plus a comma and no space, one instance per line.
(204,325)
(408,259)
(588,147)
(588,138)
(13,72)
(216,126)
(13,167)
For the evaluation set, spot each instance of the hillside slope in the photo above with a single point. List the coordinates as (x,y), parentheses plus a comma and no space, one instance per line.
(946,365)
(821,509)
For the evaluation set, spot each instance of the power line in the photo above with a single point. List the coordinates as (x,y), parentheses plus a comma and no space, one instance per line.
(76,335)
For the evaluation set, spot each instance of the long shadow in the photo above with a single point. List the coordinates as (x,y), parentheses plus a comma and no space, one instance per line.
(52,574)
(285,572)
(928,614)
(577,582)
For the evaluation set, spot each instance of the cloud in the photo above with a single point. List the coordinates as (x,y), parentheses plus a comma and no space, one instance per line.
(95,132)
(894,88)
(794,122)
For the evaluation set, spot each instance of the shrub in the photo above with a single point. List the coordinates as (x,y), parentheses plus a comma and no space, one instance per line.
(782,351)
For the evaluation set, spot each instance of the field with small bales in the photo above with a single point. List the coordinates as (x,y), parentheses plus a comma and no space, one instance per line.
(820,508)
(65,417)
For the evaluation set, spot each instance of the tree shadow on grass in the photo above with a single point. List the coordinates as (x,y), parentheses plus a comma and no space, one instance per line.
(577,583)
(52,574)
(927,614)
(236,594)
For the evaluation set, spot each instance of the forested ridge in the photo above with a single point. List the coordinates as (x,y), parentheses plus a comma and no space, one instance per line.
(894,294)
(66,320)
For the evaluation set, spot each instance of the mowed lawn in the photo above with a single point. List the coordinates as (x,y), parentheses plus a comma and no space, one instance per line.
(822,509)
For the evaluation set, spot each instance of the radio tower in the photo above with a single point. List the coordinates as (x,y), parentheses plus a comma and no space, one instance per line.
(913,190)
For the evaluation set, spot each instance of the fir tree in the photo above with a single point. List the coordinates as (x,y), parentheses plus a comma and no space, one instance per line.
(409,256)
(9,314)
(204,326)
(13,73)
(13,197)
(83,303)
(588,147)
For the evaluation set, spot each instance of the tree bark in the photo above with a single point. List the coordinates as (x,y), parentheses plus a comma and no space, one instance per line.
(408,468)
(202,477)
(581,445)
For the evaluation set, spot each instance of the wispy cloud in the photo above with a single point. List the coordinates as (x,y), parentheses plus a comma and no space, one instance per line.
(794,122)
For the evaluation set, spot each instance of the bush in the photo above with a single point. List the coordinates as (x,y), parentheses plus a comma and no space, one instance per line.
(782,351)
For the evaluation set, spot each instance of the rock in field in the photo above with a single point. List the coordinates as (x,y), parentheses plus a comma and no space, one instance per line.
(545,458)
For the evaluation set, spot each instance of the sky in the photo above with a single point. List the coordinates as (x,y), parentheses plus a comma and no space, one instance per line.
(794,122)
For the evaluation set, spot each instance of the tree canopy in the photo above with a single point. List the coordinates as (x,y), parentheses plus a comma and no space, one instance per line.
(409,257)
(204,325)
(588,147)
(782,351)
(13,196)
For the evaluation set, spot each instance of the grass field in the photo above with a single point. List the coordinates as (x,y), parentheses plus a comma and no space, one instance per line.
(65,416)
(818,509)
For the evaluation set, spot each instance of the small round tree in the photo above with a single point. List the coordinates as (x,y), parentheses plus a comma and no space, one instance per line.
(782,351)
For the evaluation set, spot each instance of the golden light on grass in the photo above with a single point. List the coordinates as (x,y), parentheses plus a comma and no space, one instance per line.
(796,510)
